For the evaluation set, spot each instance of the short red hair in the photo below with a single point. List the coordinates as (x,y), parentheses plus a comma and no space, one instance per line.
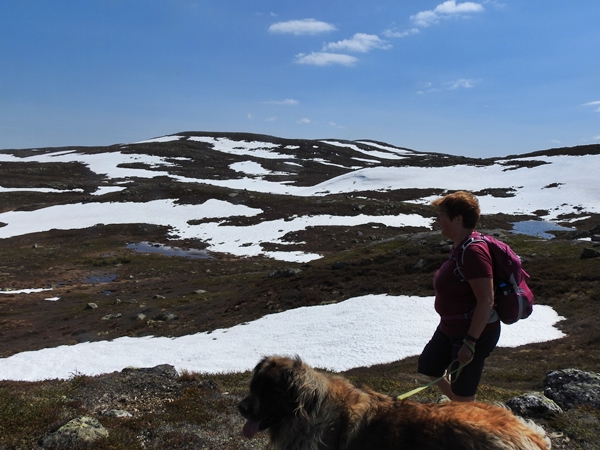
(459,203)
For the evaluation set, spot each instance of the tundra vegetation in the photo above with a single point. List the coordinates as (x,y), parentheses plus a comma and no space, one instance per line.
(141,292)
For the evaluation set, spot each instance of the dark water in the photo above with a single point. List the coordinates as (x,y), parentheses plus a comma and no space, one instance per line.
(149,247)
(96,279)
(538,228)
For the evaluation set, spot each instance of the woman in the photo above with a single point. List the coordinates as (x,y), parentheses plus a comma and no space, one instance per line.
(469,329)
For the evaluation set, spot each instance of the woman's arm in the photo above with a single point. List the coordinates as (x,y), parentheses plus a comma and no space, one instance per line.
(483,288)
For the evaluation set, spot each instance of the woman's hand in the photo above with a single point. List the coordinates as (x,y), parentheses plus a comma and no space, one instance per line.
(464,354)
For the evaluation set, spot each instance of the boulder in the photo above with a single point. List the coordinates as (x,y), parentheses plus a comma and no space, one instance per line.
(533,405)
(82,430)
(571,387)
(588,253)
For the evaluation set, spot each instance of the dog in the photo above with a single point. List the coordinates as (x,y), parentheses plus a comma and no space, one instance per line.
(302,409)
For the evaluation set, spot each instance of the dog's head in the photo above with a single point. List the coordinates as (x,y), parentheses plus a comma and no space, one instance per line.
(279,389)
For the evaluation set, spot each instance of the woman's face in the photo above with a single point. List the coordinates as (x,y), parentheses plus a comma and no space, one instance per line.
(448,226)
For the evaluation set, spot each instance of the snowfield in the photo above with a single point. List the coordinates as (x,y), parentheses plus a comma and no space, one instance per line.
(360,331)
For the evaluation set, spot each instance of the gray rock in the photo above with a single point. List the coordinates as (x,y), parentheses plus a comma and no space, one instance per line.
(118,413)
(285,273)
(571,387)
(82,430)
(91,306)
(163,370)
(112,316)
(165,317)
(588,253)
(533,405)
(421,263)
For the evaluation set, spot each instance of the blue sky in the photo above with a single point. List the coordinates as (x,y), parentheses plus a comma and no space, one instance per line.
(483,78)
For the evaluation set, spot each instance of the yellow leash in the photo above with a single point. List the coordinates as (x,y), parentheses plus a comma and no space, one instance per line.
(446,374)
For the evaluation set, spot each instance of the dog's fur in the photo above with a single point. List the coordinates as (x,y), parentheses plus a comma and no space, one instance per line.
(303,409)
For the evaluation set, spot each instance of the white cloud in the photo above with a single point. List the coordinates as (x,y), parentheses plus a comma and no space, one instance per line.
(465,83)
(595,103)
(360,42)
(271,119)
(597,138)
(298,27)
(304,120)
(450,7)
(286,102)
(445,10)
(461,83)
(400,34)
(325,59)
(250,116)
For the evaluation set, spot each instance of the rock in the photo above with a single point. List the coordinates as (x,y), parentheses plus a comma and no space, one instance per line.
(118,413)
(595,230)
(140,316)
(588,253)
(338,265)
(533,405)
(286,273)
(199,291)
(571,387)
(165,317)
(578,234)
(163,370)
(112,316)
(91,306)
(421,263)
(158,297)
(82,430)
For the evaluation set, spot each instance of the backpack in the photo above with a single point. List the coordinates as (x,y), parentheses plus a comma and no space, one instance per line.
(513,300)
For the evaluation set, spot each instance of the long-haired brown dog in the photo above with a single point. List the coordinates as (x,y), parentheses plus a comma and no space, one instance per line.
(303,409)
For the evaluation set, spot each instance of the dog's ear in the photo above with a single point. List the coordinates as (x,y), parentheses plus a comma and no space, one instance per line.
(307,388)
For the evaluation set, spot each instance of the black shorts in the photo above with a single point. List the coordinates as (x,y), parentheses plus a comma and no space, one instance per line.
(441,350)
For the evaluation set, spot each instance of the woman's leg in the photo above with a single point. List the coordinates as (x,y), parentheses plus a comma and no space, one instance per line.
(465,383)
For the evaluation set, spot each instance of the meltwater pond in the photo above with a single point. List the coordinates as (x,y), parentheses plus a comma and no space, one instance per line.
(150,247)
(538,228)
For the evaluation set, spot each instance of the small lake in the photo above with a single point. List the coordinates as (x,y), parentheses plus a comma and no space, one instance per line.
(150,247)
(97,279)
(538,228)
